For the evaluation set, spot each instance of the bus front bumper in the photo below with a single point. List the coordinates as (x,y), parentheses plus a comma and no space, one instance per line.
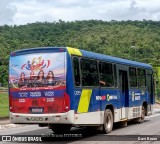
(62,118)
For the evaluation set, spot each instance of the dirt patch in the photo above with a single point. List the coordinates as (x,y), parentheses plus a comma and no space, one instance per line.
(4,121)
(157,105)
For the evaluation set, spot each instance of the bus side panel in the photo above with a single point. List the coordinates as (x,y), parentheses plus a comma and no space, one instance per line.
(94,104)
(112,97)
(70,81)
(85,100)
(137,97)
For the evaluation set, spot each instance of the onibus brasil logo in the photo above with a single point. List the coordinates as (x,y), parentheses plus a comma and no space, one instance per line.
(36,64)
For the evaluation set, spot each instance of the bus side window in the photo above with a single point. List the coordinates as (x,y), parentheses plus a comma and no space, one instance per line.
(89,72)
(133,77)
(141,78)
(76,71)
(115,75)
(106,74)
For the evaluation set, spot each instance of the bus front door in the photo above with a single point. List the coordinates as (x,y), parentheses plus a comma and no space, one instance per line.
(124,98)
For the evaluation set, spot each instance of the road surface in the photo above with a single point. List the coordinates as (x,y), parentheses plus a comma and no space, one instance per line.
(151,126)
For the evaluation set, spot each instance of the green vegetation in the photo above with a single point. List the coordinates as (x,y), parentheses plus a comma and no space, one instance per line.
(4,106)
(134,40)
(157,100)
(3,88)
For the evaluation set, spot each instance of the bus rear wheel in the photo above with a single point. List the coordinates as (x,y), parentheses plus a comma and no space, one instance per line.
(60,128)
(108,121)
(141,119)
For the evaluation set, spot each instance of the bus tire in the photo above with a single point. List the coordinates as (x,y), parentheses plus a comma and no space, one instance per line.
(60,128)
(141,119)
(108,121)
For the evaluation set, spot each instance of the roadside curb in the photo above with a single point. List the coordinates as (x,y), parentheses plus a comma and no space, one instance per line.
(7,126)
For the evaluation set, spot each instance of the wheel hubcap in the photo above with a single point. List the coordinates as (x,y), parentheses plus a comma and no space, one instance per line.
(108,122)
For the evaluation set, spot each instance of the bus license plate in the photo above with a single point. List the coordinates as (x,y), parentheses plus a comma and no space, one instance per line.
(37,110)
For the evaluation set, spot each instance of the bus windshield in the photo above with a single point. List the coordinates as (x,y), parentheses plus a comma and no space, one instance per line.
(36,80)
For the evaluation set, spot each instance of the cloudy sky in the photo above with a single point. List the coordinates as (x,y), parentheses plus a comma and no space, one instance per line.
(20,12)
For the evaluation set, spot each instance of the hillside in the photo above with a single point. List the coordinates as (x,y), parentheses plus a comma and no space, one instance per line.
(135,40)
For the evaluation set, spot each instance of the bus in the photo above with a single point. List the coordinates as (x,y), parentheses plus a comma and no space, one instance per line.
(64,87)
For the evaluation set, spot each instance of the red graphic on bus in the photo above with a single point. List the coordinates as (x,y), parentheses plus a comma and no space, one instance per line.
(36,64)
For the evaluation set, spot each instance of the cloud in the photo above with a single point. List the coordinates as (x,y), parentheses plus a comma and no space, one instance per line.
(7,12)
(29,11)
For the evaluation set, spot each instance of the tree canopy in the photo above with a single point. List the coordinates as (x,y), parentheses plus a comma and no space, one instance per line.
(134,40)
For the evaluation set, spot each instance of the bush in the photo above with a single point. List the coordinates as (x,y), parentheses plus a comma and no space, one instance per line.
(158,93)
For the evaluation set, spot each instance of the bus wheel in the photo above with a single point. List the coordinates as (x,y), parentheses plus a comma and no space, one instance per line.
(108,121)
(141,119)
(60,128)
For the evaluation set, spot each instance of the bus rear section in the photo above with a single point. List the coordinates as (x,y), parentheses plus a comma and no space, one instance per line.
(37,87)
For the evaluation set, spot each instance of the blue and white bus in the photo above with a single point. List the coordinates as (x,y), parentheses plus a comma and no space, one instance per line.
(61,87)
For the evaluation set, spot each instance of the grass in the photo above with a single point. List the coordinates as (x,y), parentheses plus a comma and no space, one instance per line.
(4,105)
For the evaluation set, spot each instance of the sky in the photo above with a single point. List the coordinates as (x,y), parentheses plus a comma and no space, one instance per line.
(20,12)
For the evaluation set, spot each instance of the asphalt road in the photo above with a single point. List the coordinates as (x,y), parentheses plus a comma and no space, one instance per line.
(119,135)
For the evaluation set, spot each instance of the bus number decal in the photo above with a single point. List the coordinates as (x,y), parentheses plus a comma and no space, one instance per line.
(77,92)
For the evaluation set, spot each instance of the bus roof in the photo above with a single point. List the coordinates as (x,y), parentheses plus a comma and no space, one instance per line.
(103,57)
(85,53)
(114,59)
